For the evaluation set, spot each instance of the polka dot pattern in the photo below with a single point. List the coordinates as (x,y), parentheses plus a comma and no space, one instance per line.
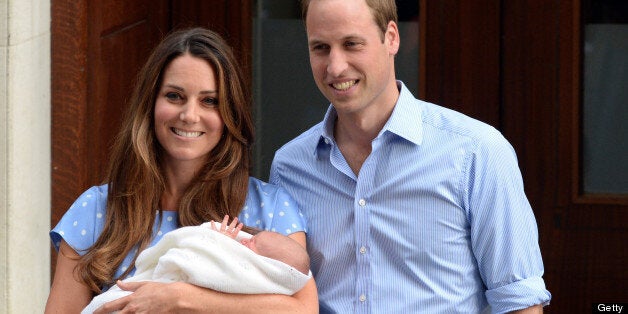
(267,207)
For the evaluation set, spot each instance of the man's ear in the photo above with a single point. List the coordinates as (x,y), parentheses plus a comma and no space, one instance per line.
(391,38)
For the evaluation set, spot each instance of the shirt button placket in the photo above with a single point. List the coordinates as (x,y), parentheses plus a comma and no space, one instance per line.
(363,263)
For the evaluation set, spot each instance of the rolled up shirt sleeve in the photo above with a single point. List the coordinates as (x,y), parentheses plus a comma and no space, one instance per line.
(504,233)
(518,295)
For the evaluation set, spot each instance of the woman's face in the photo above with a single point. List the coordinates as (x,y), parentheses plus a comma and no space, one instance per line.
(188,124)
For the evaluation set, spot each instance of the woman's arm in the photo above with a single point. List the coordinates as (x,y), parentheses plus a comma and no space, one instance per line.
(67,295)
(179,297)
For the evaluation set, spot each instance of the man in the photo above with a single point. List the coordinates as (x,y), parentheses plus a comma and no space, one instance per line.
(411,207)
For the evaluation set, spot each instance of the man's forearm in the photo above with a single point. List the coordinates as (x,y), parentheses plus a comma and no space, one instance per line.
(535,309)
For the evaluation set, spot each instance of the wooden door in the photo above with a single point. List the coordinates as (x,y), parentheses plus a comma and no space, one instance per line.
(583,236)
(517,65)
(97,48)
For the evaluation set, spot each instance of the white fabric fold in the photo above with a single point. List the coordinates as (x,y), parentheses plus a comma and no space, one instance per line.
(207,258)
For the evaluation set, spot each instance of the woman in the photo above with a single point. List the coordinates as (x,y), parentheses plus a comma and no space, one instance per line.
(180,159)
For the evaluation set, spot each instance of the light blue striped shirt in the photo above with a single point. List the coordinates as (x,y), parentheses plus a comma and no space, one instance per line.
(436,222)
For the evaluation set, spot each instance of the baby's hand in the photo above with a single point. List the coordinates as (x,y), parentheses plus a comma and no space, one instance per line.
(230,230)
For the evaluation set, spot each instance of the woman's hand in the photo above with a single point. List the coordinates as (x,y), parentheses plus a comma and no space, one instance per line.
(180,297)
(147,297)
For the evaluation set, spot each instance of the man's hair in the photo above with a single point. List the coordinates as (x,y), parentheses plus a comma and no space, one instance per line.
(383,11)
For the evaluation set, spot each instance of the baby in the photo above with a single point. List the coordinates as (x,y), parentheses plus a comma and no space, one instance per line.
(269,244)
(223,258)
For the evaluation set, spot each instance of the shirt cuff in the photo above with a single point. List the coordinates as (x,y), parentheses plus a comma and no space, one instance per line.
(518,295)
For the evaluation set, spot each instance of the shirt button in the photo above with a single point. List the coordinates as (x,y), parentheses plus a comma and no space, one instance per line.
(362,298)
(362,250)
(327,141)
(362,202)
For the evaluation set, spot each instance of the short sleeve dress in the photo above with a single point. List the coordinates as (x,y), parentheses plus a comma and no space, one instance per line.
(267,207)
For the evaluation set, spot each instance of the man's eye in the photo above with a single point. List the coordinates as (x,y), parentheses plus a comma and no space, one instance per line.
(319,47)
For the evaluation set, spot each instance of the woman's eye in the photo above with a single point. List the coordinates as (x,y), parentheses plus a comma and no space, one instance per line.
(210,101)
(173,96)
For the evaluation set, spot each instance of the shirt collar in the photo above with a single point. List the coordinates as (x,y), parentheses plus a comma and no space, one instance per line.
(326,137)
(405,120)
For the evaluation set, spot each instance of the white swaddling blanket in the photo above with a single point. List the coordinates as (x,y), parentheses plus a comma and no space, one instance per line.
(207,258)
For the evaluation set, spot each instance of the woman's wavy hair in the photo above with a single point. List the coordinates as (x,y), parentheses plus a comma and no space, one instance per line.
(135,177)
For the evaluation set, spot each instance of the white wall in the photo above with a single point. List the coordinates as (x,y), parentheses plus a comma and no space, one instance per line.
(24,155)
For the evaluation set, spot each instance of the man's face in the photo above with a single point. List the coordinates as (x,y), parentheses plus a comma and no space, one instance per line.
(352,61)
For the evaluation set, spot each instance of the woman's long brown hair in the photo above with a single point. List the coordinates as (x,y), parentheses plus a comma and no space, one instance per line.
(135,177)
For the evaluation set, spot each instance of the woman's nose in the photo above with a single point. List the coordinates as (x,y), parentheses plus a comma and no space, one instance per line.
(189,112)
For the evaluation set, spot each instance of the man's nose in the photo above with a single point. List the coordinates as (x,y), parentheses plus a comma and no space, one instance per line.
(337,63)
